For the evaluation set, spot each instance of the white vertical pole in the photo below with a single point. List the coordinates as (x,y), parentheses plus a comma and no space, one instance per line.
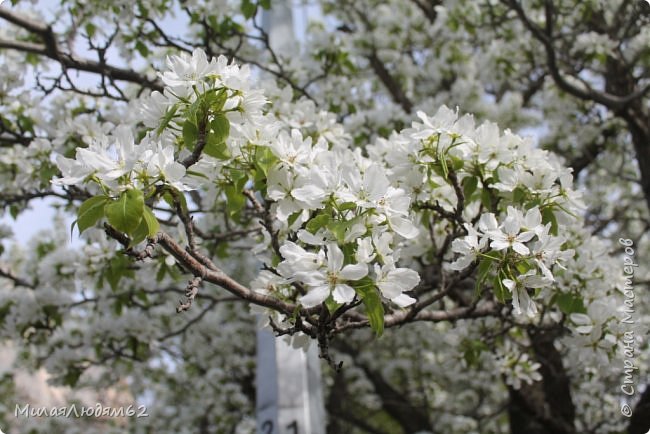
(289,391)
(266,383)
(289,387)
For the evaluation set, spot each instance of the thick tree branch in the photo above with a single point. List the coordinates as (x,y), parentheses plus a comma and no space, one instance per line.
(640,420)
(215,276)
(393,86)
(545,37)
(412,418)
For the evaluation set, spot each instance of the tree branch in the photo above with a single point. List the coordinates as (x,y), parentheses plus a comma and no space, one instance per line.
(51,49)
(389,81)
(545,37)
(8,274)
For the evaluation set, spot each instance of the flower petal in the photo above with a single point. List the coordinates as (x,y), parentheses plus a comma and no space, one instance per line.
(315,296)
(343,293)
(354,271)
(403,300)
(520,248)
(403,226)
(334,257)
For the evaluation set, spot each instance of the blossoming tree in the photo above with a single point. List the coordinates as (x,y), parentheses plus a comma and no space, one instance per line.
(461,273)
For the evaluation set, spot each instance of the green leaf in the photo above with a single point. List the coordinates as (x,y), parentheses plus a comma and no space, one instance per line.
(374,308)
(486,198)
(151,221)
(472,350)
(71,378)
(456,163)
(248,8)
(53,313)
(180,196)
(118,267)
(236,200)
(215,149)
(169,199)
(266,4)
(569,303)
(197,174)
(197,112)
(160,275)
(469,186)
(90,29)
(216,100)
(90,212)
(500,291)
(118,307)
(264,159)
(190,134)
(523,266)
(167,118)
(220,127)
(332,305)
(239,179)
(483,269)
(293,217)
(139,234)
(339,228)
(125,213)
(172,195)
(142,48)
(14,211)
(345,206)
(518,195)
(548,216)
(318,222)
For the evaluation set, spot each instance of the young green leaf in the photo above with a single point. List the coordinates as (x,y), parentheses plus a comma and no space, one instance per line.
(569,303)
(236,200)
(318,222)
(125,213)
(142,48)
(151,221)
(483,270)
(500,291)
(264,159)
(374,308)
(190,134)
(548,216)
(220,127)
(248,8)
(139,234)
(469,186)
(166,119)
(332,305)
(90,212)
(216,149)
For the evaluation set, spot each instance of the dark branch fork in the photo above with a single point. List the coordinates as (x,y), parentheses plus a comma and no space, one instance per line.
(50,47)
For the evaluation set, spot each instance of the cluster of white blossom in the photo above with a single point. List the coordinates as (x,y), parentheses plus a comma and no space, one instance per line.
(527,242)
(352,201)
(116,163)
(515,236)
